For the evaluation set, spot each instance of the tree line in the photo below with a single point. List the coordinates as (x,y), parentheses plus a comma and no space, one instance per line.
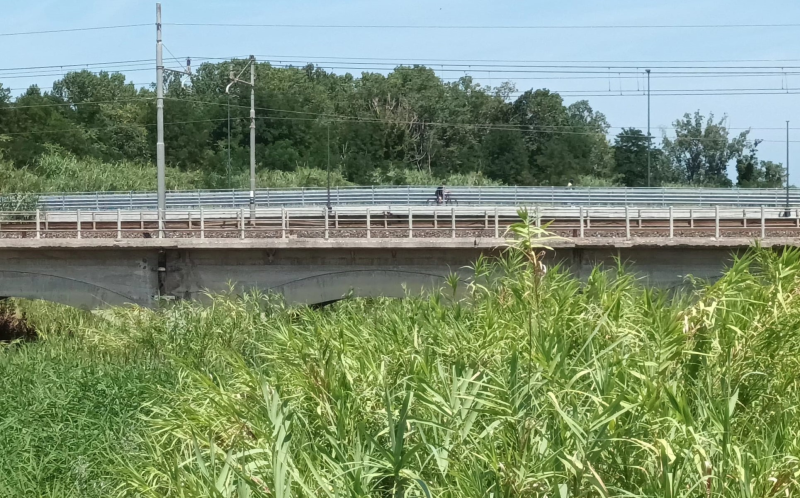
(408,126)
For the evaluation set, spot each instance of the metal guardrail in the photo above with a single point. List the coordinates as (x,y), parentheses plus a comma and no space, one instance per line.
(368,222)
(420,196)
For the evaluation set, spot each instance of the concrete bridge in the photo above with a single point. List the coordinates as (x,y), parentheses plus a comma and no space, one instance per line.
(96,273)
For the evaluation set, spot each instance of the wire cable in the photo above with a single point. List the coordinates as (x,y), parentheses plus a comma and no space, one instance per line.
(73,30)
(487,27)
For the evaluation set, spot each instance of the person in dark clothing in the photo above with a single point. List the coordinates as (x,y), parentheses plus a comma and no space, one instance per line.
(440,194)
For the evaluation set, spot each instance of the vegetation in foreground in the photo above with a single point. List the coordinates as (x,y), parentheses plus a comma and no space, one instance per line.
(530,386)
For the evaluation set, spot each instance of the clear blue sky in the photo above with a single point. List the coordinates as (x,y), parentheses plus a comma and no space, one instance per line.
(756,111)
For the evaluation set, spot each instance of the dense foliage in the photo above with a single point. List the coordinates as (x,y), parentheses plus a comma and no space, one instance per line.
(529,386)
(408,126)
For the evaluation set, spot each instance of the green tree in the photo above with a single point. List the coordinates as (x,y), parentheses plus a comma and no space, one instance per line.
(630,157)
(505,156)
(754,173)
(702,149)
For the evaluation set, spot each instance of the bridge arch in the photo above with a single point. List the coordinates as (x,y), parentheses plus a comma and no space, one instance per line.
(60,289)
(333,286)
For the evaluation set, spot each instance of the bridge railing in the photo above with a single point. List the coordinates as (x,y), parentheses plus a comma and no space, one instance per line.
(420,196)
(403,222)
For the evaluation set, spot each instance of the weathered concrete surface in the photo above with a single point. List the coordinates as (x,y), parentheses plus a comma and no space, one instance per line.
(96,273)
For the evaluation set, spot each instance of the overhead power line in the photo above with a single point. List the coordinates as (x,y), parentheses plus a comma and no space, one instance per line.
(483,27)
(72,30)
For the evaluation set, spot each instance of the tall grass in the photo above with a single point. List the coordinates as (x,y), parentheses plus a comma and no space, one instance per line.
(608,388)
(60,172)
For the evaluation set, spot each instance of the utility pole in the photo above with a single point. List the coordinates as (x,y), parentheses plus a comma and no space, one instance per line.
(329,166)
(252,140)
(252,83)
(648,127)
(787,169)
(160,161)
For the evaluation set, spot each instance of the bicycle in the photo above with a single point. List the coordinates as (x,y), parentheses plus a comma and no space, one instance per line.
(448,200)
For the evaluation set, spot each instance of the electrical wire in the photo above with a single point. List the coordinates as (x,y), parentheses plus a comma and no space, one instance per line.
(486,27)
(72,30)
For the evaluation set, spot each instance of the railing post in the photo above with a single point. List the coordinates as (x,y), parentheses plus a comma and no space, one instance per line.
(627,223)
(241,223)
(580,220)
(691,218)
(326,223)
(336,219)
(410,223)
(744,218)
(119,224)
(369,224)
(160,223)
(435,219)
(763,224)
(283,223)
(496,224)
(94,221)
(671,223)
(538,217)
(716,221)
(287,222)
(78,222)
(486,220)
(453,222)
(38,225)
(202,223)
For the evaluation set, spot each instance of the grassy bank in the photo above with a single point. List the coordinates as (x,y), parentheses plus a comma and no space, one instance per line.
(58,172)
(535,385)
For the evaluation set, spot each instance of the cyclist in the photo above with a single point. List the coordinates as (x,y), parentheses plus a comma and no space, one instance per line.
(440,194)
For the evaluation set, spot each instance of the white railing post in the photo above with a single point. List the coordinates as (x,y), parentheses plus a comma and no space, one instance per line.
(435,219)
(38,225)
(496,224)
(744,218)
(94,221)
(691,218)
(628,223)
(287,223)
(410,224)
(453,222)
(716,221)
(78,222)
(241,223)
(283,223)
(580,220)
(326,222)
(763,224)
(202,223)
(369,224)
(336,219)
(160,223)
(119,224)
(189,222)
(538,216)
(671,223)
(486,220)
